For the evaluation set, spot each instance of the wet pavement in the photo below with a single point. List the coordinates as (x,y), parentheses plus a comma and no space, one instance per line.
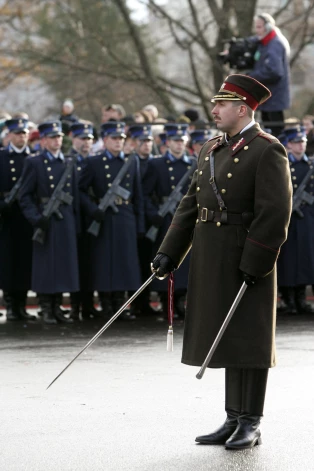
(128,404)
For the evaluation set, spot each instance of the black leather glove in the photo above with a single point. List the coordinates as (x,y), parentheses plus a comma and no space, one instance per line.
(157,220)
(163,264)
(98,215)
(43,223)
(250,280)
(4,207)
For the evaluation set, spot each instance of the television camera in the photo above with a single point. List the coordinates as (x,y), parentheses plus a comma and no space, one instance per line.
(240,53)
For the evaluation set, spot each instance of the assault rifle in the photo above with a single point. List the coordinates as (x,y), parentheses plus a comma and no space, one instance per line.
(13,194)
(301,195)
(57,198)
(170,206)
(114,192)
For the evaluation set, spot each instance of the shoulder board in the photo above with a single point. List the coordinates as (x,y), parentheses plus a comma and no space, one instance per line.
(268,137)
(213,139)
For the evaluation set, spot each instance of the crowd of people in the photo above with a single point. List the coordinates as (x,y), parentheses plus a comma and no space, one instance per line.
(107,267)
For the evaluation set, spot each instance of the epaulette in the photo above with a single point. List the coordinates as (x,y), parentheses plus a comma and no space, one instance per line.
(268,137)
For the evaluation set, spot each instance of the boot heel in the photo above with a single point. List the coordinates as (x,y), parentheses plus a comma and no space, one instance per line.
(259,441)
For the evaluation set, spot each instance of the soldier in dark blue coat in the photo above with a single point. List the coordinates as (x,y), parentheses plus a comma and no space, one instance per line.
(55,264)
(15,230)
(142,138)
(198,139)
(113,256)
(162,176)
(82,301)
(296,260)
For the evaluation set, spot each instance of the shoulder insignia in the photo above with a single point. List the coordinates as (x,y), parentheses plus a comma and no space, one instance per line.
(268,137)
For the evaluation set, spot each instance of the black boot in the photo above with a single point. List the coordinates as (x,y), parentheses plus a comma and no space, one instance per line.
(233,399)
(105,302)
(46,306)
(118,300)
(58,313)
(88,308)
(7,301)
(302,306)
(22,297)
(58,303)
(247,433)
(75,306)
(287,294)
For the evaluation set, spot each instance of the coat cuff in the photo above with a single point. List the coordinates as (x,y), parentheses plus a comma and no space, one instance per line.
(176,244)
(258,259)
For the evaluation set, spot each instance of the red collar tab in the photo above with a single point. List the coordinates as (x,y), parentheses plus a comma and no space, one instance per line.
(268,37)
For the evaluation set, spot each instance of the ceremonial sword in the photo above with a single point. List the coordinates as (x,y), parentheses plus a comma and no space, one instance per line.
(221,331)
(111,320)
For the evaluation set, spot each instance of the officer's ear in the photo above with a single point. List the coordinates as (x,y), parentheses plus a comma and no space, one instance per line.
(243,111)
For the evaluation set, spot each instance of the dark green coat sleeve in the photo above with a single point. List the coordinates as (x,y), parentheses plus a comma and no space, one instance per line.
(178,239)
(272,210)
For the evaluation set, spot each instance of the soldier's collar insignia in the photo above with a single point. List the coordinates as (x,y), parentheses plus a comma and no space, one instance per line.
(237,144)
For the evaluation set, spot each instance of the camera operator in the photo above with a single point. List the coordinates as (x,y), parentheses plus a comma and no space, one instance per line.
(271,68)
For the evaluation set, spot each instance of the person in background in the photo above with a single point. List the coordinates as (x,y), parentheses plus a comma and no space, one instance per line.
(67,116)
(271,68)
(295,266)
(15,231)
(308,123)
(198,139)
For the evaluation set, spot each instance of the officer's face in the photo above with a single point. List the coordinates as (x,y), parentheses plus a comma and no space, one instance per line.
(226,116)
(297,149)
(197,147)
(114,144)
(260,27)
(52,144)
(144,147)
(19,140)
(82,146)
(177,148)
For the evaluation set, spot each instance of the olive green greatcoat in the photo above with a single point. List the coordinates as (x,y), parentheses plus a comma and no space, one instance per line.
(252,174)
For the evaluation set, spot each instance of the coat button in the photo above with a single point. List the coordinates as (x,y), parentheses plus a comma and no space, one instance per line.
(11,161)
(108,175)
(172,178)
(109,185)
(128,175)
(197,221)
(236,160)
(13,179)
(12,169)
(168,161)
(201,172)
(51,177)
(170,169)
(46,161)
(293,170)
(229,175)
(48,169)
(295,186)
(218,224)
(52,186)
(106,166)
(294,178)
(79,168)
(172,187)
(198,205)
(223,191)
(245,147)
(198,189)
(206,158)
(104,158)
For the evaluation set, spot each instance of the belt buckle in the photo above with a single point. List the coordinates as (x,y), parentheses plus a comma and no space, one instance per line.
(118,201)
(204,214)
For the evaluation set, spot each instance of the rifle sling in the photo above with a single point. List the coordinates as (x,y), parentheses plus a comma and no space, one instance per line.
(213,183)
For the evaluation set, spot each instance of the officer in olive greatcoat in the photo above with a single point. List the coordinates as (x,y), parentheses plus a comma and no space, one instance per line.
(113,255)
(295,264)
(235,216)
(15,230)
(55,264)
(162,177)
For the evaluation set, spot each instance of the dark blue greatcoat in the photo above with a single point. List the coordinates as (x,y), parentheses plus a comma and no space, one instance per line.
(55,264)
(15,231)
(295,264)
(113,253)
(162,176)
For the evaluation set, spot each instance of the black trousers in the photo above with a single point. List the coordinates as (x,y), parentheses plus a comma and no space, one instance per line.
(273,120)
(245,390)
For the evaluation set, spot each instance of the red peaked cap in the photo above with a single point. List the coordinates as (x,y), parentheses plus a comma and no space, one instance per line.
(238,87)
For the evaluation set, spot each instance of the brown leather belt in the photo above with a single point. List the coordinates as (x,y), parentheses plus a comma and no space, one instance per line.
(208,215)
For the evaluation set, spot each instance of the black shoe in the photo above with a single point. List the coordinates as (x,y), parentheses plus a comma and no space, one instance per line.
(61,317)
(219,436)
(48,318)
(13,316)
(247,434)
(75,312)
(24,315)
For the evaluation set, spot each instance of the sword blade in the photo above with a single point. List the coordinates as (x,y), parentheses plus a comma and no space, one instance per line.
(221,331)
(111,320)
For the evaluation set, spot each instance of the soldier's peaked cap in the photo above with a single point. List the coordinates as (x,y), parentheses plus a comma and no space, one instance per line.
(239,87)
(82,130)
(113,129)
(50,129)
(296,134)
(141,131)
(17,125)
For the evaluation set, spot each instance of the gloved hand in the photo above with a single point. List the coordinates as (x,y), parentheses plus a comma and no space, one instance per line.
(98,215)
(157,220)
(162,265)
(43,223)
(250,280)
(4,207)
